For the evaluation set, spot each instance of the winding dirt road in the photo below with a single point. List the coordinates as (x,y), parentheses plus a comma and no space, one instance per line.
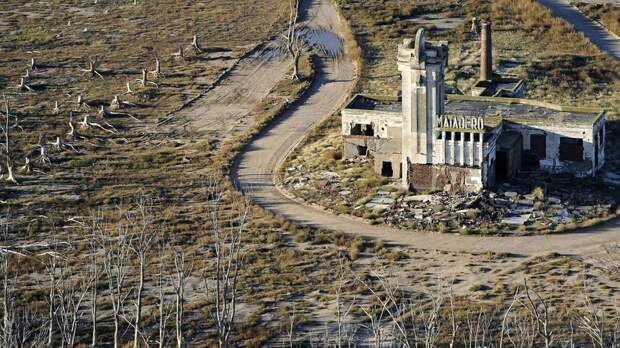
(255,167)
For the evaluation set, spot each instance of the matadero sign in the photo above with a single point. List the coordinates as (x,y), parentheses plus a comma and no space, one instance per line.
(462,122)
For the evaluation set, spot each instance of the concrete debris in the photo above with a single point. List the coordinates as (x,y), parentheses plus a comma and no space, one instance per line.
(507,208)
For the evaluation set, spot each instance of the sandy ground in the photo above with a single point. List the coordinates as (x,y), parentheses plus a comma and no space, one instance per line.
(602,38)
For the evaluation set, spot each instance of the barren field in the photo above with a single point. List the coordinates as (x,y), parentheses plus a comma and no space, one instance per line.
(121,221)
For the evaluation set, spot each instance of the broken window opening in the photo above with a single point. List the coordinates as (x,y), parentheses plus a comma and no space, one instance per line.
(477,137)
(362,129)
(538,145)
(386,169)
(571,149)
(468,136)
(362,150)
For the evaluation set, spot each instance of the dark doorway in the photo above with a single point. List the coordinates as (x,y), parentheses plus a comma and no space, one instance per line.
(571,149)
(362,150)
(501,166)
(538,144)
(386,169)
(530,161)
(596,140)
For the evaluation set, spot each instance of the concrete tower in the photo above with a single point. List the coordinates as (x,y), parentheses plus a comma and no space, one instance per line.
(422,66)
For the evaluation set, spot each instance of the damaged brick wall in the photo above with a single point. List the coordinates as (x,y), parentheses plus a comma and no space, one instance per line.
(444,178)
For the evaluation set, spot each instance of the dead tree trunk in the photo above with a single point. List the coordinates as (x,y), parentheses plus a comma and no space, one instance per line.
(70,298)
(144,80)
(226,263)
(140,245)
(115,257)
(51,266)
(157,72)
(179,53)
(94,269)
(92,68)
(195,45)
(539,310)
(23,86)
(182,270)
(294,41)
(7,142)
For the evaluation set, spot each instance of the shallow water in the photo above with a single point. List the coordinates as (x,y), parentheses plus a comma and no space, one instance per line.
(325,41)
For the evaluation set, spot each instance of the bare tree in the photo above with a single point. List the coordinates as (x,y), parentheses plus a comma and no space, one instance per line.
(23,86)
(592,321)
(505,318)
(115,248)
(6,130)
(195,44)
(92,68)
(140,244)
(342,308)
(51,266)
(183,268)
(144,80)
(157,72)
(179,53)
(224,267)
(163,308)
(94,269)
(390,304)
(70,298)
(375,314)
(294,39)
(540,311)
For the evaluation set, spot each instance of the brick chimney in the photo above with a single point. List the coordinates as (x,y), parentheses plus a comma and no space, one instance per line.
(486,52)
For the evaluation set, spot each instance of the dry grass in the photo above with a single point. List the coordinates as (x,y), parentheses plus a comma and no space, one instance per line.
(607,14)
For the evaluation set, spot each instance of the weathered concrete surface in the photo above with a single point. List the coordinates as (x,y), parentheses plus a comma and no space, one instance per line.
(255,167)
(592,30)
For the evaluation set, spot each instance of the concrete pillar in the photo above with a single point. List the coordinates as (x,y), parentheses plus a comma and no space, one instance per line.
(472,158)
(452,148)
(443,147)
(462,149)
(486,52)
(480,149)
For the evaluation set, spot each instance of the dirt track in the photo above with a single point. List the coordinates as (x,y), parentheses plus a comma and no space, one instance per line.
(596,33)
(255,168)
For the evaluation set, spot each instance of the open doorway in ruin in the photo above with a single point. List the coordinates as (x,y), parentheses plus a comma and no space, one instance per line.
(538,151)
(571,149)
(387,170)
(362,150)
(501,166)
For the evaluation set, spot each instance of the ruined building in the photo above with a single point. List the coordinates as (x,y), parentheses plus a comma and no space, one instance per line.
(435,141)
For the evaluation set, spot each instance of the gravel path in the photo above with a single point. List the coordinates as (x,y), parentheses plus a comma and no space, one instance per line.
(602,38)
(255,167)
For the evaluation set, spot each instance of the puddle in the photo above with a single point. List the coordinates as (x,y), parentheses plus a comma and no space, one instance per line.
(327,42)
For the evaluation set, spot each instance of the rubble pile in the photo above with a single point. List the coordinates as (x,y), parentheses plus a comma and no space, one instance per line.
(514,207)
(487,212)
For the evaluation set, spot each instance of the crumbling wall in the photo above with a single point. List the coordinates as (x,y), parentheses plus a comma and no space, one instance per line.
(444,178)
(372,144)
(553,134)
